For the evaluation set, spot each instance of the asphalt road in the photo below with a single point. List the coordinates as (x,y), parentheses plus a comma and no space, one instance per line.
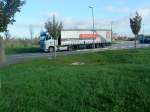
(15,58)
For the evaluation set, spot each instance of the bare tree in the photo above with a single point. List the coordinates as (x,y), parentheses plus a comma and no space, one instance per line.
(54,28)
(31,31)
(135,24)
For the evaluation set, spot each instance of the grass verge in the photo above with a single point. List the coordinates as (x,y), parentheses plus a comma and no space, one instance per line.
(111,81)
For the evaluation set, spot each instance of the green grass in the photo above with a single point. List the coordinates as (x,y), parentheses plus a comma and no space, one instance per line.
(112,81)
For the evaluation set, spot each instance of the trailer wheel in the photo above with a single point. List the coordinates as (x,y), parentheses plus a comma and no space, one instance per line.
(103,45)
(51,49)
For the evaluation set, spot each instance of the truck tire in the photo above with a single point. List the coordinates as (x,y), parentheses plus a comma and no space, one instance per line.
(70,48)
(51,49)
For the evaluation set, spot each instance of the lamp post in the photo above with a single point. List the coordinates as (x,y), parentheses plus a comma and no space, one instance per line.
(143,33)
(91,7)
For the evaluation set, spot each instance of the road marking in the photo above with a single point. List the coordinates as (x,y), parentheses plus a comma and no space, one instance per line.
(115,47)
(131,46)
(106,48)
(124,47)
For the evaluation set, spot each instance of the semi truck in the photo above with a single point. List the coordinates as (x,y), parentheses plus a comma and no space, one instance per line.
(76,39)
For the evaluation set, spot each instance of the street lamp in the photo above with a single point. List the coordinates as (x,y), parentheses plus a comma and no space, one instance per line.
(143,33)
(91,7)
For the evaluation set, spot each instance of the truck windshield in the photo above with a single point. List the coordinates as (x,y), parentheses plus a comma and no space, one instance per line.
(42,38)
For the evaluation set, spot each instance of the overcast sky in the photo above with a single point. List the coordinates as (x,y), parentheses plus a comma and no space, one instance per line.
(77,14)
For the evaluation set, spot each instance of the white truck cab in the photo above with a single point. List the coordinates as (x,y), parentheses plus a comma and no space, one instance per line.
(47,42)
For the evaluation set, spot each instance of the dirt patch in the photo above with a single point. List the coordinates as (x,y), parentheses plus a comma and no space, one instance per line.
(77,63)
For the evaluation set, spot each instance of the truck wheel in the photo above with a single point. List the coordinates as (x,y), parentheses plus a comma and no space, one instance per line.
(51,49)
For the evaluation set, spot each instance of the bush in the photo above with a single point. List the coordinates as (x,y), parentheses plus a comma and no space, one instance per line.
(20,43)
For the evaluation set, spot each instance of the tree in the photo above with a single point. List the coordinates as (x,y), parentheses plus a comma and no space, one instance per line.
(8,8)
(54,28)
(135,24)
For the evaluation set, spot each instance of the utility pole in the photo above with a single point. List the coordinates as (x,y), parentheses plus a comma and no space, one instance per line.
(93,26)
